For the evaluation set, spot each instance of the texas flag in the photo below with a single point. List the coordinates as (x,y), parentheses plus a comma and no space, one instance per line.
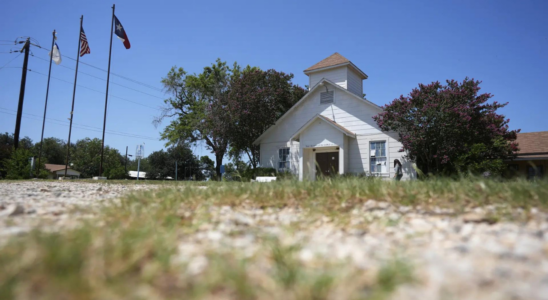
(121,33)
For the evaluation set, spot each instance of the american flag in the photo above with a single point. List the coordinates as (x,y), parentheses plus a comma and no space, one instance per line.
(84,46)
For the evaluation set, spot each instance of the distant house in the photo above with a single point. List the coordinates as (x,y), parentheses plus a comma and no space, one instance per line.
(532,157)
(331,129)
(56,171)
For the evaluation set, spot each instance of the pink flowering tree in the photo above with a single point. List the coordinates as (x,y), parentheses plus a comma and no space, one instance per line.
(256,100)
(451,128)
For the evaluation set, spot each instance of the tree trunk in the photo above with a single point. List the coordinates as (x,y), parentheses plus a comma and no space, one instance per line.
(218,163)
(252,159)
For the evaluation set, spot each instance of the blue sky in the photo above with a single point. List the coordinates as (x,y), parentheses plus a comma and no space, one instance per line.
(397,43)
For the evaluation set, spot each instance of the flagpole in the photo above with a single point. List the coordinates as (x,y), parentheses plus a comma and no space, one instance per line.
(45,105)
(74,91)
(106,96)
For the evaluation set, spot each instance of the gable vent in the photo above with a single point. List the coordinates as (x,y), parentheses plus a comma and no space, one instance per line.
(326,97)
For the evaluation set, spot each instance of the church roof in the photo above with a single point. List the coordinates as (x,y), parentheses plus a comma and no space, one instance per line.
(334,60)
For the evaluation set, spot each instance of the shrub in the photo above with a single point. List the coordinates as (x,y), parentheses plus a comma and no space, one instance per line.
(116,173)
(18,165)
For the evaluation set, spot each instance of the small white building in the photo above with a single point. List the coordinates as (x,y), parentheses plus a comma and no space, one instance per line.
(133,174)
(331,129)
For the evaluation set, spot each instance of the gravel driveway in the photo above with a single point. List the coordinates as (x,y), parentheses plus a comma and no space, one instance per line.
(453,257)
(27,204)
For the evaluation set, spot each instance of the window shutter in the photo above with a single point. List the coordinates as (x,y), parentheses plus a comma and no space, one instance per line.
(326,97)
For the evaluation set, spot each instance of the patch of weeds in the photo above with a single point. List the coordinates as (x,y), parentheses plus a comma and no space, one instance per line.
(392,222)
(286,267)
(392,274)
(321,286)
(225,276)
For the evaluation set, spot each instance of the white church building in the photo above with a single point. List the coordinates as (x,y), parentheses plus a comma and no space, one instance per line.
(331,129)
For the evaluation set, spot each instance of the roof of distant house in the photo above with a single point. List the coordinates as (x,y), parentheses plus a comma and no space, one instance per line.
(334,60)
(533,144)
(55,168)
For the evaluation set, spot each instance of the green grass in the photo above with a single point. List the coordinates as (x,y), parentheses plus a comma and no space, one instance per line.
(130,249)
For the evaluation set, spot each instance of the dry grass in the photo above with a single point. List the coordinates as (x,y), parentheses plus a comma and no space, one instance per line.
(129,251)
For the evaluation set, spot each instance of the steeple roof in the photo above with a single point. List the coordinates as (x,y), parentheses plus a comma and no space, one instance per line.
(334,60)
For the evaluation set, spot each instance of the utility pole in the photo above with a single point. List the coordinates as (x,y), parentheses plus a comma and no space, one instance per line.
(21,93)
(138,167)
(126,160)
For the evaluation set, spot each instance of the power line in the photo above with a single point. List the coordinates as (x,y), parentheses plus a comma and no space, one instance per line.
(112,73)
(80,72)
(10,61)
(62,123)
(92,127)
(113,96)
(83,128)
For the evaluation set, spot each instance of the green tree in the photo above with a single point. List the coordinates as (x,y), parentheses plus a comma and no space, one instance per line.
(256,100)
(236,171)
(197,107)
(6,148)
(159,165)
(116,173)
(207,166)
(86,158)
(144,167)
(162,163)
(54,151)
(484,157)
(182,154)
(18,165)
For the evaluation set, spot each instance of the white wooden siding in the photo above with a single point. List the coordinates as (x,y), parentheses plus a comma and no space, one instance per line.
(321,134)
(359,151)
(356,163)
(269,156)
(349,112)
(336,75)
(354,82)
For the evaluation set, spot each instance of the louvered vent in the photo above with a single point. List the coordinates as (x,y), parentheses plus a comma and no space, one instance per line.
(326,97)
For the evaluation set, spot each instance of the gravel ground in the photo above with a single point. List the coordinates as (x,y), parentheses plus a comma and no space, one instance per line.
(453,257)
(52,205)
(462,257)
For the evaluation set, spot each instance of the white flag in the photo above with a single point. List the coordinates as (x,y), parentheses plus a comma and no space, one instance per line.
(56,54)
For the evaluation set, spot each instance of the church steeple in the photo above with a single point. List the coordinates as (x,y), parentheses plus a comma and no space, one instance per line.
(339,70)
